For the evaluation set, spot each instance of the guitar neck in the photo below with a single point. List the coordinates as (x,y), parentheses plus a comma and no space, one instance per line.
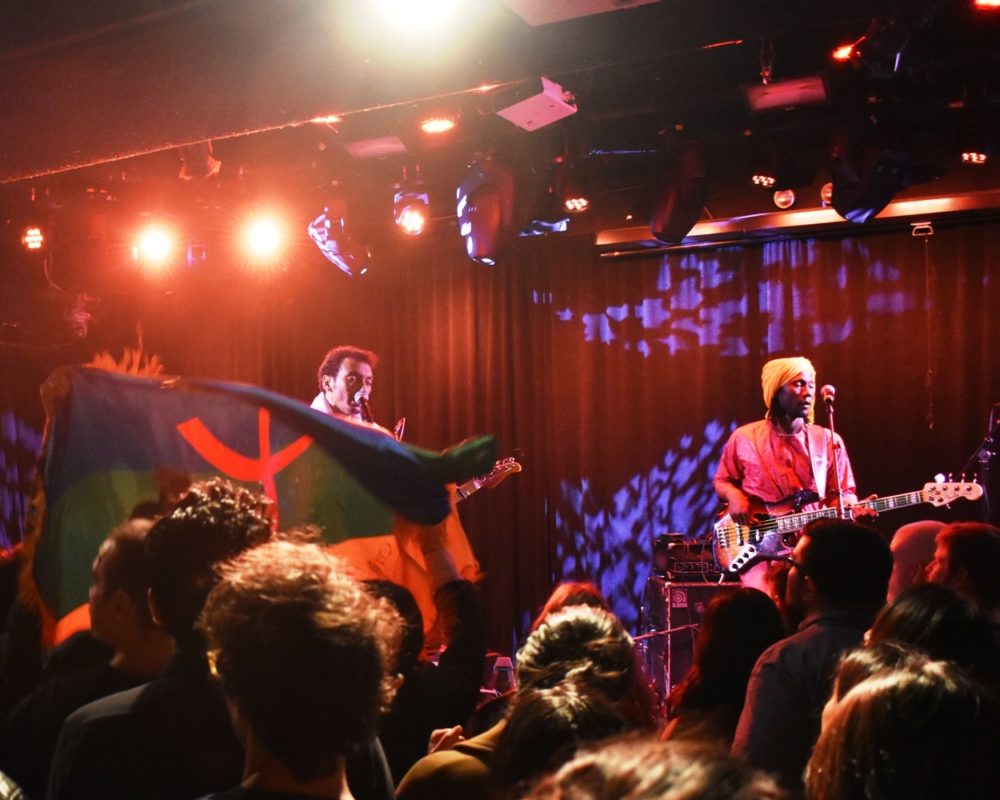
(468,488)
(794,522)
(896,501)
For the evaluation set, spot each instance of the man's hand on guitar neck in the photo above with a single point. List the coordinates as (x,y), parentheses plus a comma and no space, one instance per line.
(859,512)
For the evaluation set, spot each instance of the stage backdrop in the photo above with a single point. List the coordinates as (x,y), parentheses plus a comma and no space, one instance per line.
(613,382)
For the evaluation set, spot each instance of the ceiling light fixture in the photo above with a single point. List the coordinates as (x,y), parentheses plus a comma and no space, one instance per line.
(848,51)
(330,234)
(411,205)
(263,238)
(436,125)
(536,103)
(484,207)
(155,246)
(33,238)
(808,90)
(974,157)
(784,198)
(198,162)
(679,192)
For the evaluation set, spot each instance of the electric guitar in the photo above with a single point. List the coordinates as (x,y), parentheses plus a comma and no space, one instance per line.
(503,468)
(737,547)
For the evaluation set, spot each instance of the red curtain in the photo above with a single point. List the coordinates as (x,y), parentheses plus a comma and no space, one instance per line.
(614,382)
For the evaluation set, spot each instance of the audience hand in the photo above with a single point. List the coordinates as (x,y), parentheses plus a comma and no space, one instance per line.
(444,739)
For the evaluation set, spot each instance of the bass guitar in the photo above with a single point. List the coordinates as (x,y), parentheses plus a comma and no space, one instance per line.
(737,547)
(503,468)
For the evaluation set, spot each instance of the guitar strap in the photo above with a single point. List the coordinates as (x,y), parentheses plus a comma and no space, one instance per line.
(818,456)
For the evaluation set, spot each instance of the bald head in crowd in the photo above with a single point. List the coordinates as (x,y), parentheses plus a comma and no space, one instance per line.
(912,550)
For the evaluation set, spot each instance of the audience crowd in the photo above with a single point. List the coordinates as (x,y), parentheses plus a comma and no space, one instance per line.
(227,661)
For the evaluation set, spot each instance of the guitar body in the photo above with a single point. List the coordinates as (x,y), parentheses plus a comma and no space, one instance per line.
(739,547)
(772,531)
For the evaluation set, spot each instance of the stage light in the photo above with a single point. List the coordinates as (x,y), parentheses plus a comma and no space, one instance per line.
(411,210)
(436,125)
(784,198)
(155,246)
(411,203)
(871,162)
(263,238)
(33,238)
(329,232)
(843,53)
(573,184)
(974,157)
(848,51)
(781,174)
(680,191)
(549,215)
(986,5)
(198,162)
(417,15)
(791,93)
(484,207)
(826,195)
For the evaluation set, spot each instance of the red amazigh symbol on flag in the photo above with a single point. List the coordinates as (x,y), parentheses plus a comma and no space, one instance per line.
(238,466)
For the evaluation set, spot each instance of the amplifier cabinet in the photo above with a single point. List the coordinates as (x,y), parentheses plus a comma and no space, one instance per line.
(672,611)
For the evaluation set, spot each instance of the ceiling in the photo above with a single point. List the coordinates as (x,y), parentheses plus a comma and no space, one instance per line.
(100,95)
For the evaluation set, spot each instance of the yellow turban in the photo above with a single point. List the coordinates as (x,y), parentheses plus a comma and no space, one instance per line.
(779,371)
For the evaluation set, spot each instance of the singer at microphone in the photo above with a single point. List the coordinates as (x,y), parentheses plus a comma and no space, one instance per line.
(366,410)
(784,454)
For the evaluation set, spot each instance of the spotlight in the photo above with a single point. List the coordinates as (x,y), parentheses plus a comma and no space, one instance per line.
(871,163)
(784,198)
(155,246)
(263,237)
(975,157)
(33,238)
(410,211)
(566,193)
(776,170)
(485,206)
(411,205)
(329,232)
(826,195)
(198,162)
(680,192)
(573,185)
(437,125)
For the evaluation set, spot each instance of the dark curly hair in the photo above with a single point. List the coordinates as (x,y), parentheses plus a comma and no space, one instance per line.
(303,651)
(582,642)
(212,523)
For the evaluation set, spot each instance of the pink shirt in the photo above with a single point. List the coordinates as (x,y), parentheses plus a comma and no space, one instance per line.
(765,463)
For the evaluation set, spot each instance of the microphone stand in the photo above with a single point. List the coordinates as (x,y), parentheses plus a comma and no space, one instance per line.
(983,454)
(842,512)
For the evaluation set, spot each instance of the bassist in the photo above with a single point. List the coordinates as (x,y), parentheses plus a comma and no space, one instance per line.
(784,459)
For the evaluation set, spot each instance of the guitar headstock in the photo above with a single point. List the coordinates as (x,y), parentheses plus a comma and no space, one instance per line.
(503,468)
(940,494)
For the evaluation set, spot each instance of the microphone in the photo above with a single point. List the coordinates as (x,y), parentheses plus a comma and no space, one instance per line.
(828,392)
(366,410)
